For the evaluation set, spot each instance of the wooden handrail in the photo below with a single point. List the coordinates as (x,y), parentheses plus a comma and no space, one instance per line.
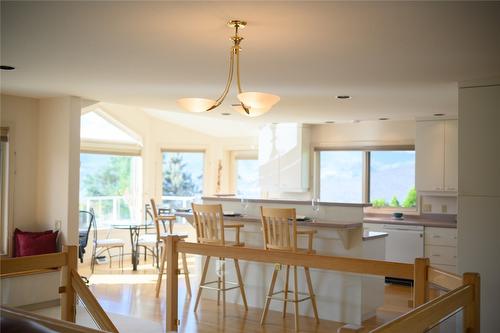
(11,266)
(51,323)
(72,285)
(430,313)
(343,264)
(465,294)
(94,308)
(442,279)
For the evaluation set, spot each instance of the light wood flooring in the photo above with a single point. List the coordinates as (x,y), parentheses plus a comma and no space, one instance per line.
(132,294)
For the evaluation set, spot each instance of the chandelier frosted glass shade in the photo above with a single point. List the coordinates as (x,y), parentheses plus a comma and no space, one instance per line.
(258,100)
(253,112)
(194,104)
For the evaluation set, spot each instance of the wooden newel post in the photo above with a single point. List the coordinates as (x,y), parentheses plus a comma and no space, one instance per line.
(68,297)
(172,258)
(420,281)
(472,318)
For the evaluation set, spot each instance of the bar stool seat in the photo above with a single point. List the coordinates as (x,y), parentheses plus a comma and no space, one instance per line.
(210,229)
(279,227)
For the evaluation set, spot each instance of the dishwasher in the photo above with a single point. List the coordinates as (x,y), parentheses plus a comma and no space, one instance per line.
(403,244)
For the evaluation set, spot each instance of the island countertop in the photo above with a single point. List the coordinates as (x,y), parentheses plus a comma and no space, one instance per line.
(318,223)
(284,201)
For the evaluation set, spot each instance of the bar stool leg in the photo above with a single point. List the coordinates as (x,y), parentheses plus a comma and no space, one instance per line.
(203,277)
(224,288)
(296,298)
(311,293)
(240,282)
(269,295)
(160,273)
(287,273)
(186,274)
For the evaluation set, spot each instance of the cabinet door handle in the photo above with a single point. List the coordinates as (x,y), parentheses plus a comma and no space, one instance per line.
(436,255)
(436,236)
(437,188)
(451,189)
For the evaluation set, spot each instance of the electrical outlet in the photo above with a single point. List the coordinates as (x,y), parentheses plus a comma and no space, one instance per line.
(427,208)
(57,224)
(444,209)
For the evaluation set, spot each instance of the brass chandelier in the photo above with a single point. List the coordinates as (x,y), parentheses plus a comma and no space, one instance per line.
(252,104)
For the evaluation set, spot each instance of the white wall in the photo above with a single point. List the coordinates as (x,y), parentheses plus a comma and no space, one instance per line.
(369,133)
(20,114)
(479,192)
(44,143)
(59,165)
(157,135)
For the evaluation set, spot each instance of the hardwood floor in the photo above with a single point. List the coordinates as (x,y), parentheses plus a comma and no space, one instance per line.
(132,294)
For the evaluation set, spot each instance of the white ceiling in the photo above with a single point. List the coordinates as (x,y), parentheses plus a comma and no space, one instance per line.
(397,59)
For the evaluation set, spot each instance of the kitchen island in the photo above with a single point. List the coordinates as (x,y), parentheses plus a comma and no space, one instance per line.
(342,297)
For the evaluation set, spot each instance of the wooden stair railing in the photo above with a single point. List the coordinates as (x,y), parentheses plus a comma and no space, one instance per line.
(57,325)
(72,284)
(463,293)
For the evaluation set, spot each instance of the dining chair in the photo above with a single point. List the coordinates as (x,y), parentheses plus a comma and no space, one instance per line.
(161,241)
(102,245)
(279,228)
(149,241)
(84,226)
(210,229)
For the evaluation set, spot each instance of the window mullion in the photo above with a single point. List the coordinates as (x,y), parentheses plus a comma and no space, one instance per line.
(366,176)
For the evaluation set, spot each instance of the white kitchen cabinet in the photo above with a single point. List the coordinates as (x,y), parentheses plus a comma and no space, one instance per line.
(284,157)
(441,248)
(436,148)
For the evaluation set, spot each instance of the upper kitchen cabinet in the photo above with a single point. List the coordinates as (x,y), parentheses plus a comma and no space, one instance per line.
(436,149)
(284,151)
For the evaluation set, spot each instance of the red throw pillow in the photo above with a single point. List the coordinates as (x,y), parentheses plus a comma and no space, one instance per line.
(31,245)
(17,232)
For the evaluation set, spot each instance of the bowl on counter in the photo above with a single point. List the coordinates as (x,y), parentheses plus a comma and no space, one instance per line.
(397,215)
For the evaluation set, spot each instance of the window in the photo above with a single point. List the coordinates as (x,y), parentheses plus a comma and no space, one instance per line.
(110,185)
(341,176)
(182,177)
(392,179)
(4,174)
(247,177)
(385,177)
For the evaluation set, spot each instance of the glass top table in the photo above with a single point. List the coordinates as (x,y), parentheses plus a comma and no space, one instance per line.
(134,229)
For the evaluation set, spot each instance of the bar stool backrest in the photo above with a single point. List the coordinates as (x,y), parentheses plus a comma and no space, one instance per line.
(279,227)
(209,222)
(156,219)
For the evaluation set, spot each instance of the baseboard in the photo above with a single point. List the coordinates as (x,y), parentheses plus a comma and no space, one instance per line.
(41,305)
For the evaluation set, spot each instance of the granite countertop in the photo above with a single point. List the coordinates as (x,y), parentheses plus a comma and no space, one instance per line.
(413,220)
(318,223)
(284,201)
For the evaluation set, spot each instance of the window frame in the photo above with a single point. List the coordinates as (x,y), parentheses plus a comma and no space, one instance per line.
(206,167)
(365,173)
(234,156)
(7,195)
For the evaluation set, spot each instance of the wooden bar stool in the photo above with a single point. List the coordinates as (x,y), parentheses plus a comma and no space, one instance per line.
(161,239)
(210,229)
(279,227)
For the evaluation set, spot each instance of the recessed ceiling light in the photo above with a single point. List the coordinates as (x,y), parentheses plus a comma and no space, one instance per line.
(383,118)
(7,68)
(343,97)
(225,114)
(329,122)
(438,114)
